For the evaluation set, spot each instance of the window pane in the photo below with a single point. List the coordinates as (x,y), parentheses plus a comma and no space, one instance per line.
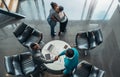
(74,8)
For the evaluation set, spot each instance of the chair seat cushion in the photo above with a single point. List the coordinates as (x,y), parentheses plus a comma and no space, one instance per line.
(21,39)
(82,40)
(28,67)
(27,33)
(83,46)
(30,40)
(83,43)
(16,65)
(36,33)
(27,63)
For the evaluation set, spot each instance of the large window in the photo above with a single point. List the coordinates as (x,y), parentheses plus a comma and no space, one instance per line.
(83,9)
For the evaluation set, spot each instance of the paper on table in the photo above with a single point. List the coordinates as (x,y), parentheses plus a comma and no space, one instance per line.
(47,56)
(50,47)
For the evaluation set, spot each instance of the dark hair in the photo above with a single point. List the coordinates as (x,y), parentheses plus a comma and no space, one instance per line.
(69,53)
(53,4)
(61,8)
(32,45)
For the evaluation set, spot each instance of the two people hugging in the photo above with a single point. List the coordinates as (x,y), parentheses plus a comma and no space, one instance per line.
(57,15)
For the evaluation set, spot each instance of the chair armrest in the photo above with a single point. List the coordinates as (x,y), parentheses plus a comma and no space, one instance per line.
(76,38)
(98,36)
(8,65)
(96,72)
(91,40)
(38,34)
(101,73)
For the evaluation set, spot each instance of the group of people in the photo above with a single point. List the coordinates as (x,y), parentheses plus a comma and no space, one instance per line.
(57,15)
(70,61)
(72,56)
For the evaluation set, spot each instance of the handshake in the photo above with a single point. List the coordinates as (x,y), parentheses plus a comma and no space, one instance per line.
(56,58)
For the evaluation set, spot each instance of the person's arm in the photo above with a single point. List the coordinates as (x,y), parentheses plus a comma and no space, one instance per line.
(53,18)
(65,15)
(41,58)
(57,17)
(62,53)
(52,15)
(46,61)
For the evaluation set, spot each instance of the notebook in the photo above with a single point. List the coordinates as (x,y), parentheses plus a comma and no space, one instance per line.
(47,56)
(50,47)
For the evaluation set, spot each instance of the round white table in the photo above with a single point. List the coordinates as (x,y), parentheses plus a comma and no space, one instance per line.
(52,49)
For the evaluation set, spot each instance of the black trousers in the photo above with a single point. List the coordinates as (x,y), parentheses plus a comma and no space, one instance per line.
(63,26)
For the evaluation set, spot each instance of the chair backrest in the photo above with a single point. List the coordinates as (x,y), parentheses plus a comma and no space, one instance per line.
(19,30)
(19,64)
(12,65)
(85,69)
(26,35)
(8,64)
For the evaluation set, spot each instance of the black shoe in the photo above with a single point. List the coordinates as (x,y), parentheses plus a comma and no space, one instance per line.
(59,33)
(53,35)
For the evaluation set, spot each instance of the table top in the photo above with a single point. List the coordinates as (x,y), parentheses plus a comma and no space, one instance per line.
(52,49)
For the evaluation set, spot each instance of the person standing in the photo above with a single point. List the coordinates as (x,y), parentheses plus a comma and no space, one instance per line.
(70,61)
(51,19)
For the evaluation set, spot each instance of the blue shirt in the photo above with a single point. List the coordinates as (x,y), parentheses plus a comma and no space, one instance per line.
(70,64)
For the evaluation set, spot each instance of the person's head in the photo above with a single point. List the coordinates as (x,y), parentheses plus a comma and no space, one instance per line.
(61,8)
(53,5)
(69,53)
(34,46)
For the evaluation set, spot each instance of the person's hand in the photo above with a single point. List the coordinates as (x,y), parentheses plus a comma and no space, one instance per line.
(53,18)
(38,46)
(56,58)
